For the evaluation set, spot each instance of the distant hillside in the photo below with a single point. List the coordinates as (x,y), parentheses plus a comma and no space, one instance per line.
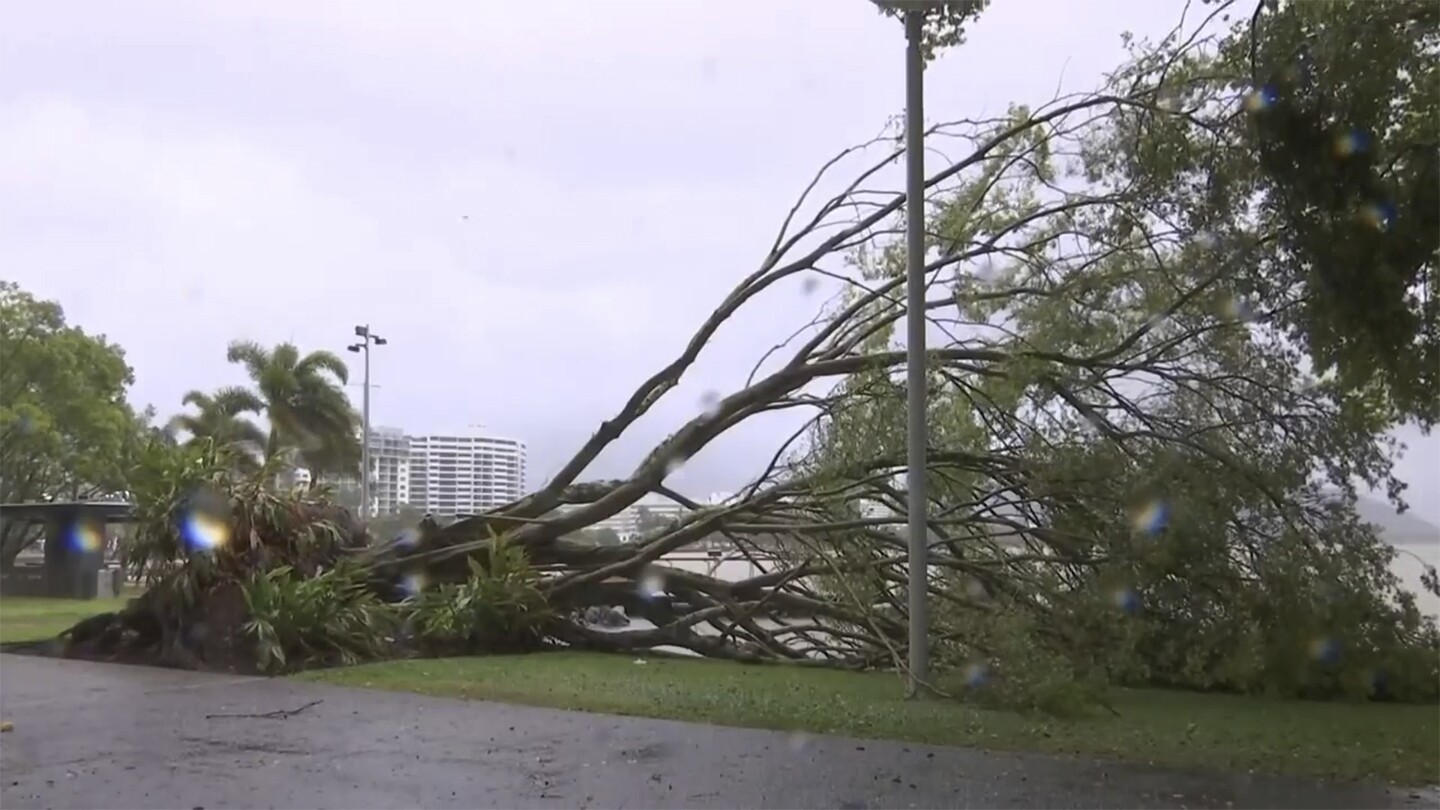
(1396,529)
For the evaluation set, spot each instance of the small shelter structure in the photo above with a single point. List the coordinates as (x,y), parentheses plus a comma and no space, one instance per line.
(75,541)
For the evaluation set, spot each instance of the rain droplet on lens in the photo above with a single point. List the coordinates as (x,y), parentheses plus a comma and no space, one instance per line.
(977,674)
(1261,98)
(798,741)
(196,633)
(673,465)
(1379,684)
(1235,309)
(1168,98)
(86,537)
(975,589)
(809,285)
(1326,650)
(413,583)
(987,271)
(1208,240)
(710,402)
(1378,215)
(1127,600)
(1151,519)
(652,584)
(408,538)
(1354,142)
(203,525)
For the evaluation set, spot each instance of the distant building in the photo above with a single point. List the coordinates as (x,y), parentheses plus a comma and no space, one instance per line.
(462,473)
(390,470)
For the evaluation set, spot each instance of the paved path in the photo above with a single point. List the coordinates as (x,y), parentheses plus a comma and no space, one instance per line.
(93,735)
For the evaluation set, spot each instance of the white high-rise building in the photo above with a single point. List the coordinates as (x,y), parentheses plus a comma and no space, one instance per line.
(463,473)
(389,470)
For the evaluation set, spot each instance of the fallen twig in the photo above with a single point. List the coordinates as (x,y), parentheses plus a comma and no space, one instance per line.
(278,714)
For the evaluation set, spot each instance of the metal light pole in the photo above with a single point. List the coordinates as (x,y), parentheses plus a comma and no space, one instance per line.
(363,347)
(915,383)
(917,504)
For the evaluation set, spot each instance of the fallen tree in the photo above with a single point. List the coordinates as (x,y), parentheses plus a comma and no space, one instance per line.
(1123,455)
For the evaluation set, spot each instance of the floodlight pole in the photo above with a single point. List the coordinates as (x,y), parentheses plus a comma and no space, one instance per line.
(363,346)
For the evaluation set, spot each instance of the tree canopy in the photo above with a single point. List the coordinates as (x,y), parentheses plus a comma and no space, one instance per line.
(66,429)
(221,418)
(944,23)
(1329,169)
(305,403)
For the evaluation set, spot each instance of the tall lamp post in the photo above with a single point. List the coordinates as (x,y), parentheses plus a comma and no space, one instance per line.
(913,12)
(362,346)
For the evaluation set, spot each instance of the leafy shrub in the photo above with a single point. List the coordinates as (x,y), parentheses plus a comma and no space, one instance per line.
(500,607)
(331,617)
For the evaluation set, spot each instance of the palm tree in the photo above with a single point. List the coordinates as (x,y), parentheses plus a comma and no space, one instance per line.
(303,398)
(220,417)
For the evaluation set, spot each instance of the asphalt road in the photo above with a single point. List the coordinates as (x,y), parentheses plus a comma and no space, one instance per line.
(93,735)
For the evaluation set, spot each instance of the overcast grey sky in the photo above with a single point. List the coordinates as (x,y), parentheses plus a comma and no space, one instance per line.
(536,203)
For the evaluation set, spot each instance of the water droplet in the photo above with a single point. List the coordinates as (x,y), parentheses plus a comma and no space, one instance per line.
(203,531)
(1298,72)
(1378,215)
(1168,98)
(799,741)
(987,271)
(651,585)
(809,285)
(413,582)
(710,402)
(1127,600)
(1151,519)
(86,537)
(1352,143)
(408,538)
(24,424)
(1235,309)
(1208,240)
(977,674)
(673,465)
(975,589)
(1379,684)
(1094,422)
(1326,650)
(196,634)
(1261,98)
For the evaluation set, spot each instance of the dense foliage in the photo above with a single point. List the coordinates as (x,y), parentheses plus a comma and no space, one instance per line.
(1344,125)
(66,431)
(1136,296)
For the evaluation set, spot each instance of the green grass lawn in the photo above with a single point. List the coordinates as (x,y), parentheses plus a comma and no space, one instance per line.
(25,618)
(1397,743)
